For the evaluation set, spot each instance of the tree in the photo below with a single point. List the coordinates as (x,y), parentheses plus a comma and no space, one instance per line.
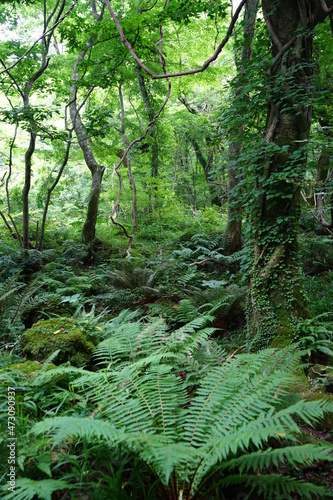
(96,170)
(31,116)
(233,238)
(276,297)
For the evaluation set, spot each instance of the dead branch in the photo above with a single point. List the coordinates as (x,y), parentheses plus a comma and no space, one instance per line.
(210,259)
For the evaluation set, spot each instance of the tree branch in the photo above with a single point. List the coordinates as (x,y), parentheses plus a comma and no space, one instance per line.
(51,30)
(325,8)
(181,73)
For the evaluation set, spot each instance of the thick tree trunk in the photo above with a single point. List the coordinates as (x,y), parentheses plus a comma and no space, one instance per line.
(232,238)
(276,299)
(89,226)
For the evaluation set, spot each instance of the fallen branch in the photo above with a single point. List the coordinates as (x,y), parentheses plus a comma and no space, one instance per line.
(235,352)
(210,259)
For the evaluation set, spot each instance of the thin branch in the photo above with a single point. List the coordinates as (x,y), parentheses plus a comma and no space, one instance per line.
(97,17)
(181,73)
(321,215)
(52,187)
(272,32)
(3,179)
(188,106)
(235,352)
(133,107)
(314,215)
(10,164)
(51,30)
(210,259)
(325,8)
(150,124)
(130,237)
(147,9)
(12,78)
(281,53)
(2,215)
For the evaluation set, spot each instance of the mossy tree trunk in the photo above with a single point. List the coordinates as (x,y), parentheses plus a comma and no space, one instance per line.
(232,238)
(276,298)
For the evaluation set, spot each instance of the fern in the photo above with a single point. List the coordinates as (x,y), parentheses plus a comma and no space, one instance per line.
(27,489)
(186,432)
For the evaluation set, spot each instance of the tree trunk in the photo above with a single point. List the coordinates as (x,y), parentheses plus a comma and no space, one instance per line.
(26,188)
(215,199)
(276,299)
(96,170)
(232,238)
(150,113)
(128,159)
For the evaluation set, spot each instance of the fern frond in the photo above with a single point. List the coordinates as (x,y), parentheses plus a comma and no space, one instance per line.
(292,455)
(62,428)
(27,489)
(276,485)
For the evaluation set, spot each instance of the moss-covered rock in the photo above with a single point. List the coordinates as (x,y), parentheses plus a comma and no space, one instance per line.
(45,337)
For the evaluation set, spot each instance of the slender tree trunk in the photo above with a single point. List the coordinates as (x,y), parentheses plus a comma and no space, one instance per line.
(276,299)
(153,132)
(26,188)
(233,239)
(128,159)
(205,166)
(51,189)
(96,170)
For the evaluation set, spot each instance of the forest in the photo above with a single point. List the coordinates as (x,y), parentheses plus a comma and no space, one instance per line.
(166,249)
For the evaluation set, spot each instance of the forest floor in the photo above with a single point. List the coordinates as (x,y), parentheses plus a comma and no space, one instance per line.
(79,291)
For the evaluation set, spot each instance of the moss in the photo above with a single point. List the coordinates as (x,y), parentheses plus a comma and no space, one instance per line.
(48,336)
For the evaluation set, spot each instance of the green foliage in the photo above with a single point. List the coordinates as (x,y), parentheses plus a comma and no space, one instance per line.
(236,407)
(316,335)
(27,489)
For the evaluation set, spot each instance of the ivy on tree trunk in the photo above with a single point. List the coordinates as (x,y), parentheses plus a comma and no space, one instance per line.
(276,298)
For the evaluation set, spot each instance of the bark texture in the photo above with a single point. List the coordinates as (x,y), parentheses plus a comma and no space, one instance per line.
(96,170)
(153,131)
(276,299)
(232,238)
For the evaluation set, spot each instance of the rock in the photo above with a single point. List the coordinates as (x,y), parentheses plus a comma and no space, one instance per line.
(47,336)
